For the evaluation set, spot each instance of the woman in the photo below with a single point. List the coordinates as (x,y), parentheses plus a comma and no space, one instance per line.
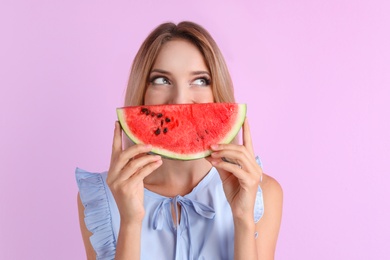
(148,207)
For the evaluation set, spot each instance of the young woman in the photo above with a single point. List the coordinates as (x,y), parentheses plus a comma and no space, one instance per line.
(148,207)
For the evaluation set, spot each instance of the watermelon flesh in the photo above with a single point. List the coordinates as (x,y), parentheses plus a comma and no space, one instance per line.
(182,131)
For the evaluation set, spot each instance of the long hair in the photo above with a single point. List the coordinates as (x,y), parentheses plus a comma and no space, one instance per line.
(221,82)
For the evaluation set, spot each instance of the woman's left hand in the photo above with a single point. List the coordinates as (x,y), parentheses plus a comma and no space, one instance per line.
(239,172)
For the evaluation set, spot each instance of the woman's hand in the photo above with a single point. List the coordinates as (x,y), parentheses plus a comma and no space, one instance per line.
(241,177)
(240,174)
(128,168)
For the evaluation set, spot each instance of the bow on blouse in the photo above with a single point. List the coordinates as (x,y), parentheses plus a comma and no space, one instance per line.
(186,204)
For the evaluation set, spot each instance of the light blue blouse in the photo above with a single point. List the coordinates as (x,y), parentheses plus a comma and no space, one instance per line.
(205,231)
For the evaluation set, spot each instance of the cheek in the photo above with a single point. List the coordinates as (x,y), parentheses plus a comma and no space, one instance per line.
(155,96)
(204,96)
(149,97)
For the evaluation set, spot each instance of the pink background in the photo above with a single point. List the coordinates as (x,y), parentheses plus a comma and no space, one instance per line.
(315,76)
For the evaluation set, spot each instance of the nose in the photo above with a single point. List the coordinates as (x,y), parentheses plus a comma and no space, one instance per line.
(181,94)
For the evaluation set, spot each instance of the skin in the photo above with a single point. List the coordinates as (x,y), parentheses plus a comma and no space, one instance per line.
(179,76)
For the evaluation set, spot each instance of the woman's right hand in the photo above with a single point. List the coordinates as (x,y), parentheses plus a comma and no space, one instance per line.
(126,174)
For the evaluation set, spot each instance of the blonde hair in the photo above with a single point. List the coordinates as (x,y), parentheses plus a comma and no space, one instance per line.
(221,82)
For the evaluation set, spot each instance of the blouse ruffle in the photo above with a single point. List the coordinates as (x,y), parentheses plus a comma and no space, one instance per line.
(259,203)
(97,213)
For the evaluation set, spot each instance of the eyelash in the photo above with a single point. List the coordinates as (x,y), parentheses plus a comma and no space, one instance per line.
(156,77)
(206,79)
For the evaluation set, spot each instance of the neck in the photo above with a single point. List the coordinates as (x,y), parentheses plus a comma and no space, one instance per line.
(176,177)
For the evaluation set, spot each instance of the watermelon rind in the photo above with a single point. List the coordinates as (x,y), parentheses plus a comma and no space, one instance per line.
(228,137)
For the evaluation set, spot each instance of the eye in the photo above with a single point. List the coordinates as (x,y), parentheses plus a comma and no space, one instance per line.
(160,81)
(201,82)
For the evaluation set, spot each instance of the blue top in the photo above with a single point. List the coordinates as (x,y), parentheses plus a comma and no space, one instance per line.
(205,231)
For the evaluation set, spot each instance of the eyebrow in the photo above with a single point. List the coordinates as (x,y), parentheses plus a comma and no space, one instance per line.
(198,72)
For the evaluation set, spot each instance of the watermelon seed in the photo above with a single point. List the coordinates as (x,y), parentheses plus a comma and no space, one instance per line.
(207,132)
(165,130)
(159,115)
(157,132)
(144,110)
(162,122)
(153,114)
(167,120)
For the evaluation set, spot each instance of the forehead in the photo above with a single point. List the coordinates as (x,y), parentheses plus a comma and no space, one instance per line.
(180,53)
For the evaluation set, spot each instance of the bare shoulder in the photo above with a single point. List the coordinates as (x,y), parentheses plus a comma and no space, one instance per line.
(271,188)
(273,198)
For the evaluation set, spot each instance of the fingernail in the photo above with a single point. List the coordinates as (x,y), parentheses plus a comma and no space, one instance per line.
(214,146)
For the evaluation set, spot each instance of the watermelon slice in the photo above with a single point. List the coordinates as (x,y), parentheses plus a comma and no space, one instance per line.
(182,131)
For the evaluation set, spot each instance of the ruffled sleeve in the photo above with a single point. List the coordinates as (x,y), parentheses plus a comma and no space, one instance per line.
(98,220)
(259,203)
